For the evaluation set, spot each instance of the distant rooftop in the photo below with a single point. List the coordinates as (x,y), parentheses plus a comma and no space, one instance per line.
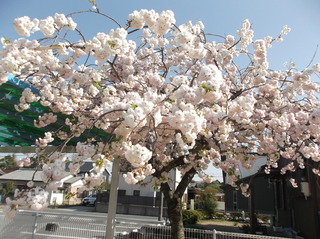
(24,174)
(73,180)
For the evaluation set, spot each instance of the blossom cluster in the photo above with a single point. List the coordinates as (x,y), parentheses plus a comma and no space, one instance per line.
(45,120)
(43,142)
(172,99)
(159,23)
(24,26)
(91,181)
(36,199)
(53,171)
(27,97)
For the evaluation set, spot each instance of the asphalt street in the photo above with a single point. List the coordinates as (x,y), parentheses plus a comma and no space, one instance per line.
(76,222)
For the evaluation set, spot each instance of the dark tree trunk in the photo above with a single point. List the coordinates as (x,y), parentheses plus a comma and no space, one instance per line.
(173,198)
(175,217)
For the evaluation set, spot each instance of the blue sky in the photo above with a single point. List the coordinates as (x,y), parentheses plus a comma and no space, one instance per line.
(221,17)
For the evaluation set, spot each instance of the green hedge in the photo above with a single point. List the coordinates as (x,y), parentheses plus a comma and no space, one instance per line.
(191,216)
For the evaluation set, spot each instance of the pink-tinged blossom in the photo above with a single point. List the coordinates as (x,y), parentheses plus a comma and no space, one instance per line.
(46,119)
(62,21)
(171,97)
(316,171)
(30,184)
(24,162)
(246,34)
(315,117)
(43,142)
(137,155)
(129,178)
(47,26)
(244,189)
(293,182)
(101,162)
(24,26)
(136,20)
(92,180)
(241,109)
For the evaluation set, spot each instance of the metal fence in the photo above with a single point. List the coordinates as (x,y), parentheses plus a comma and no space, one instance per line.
(231,235)
(27,225)
(164,232)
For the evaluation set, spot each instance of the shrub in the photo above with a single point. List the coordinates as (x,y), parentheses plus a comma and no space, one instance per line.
(191,216)
(7,188)
(235,216)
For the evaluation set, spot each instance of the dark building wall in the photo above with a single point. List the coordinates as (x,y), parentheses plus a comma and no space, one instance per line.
(290,206)
(263,197)
(132,200)
(301,212)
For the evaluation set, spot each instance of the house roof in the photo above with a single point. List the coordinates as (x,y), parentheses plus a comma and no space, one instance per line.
(86,167)
(24,174)
(9,170)
(73,180)
(1,172)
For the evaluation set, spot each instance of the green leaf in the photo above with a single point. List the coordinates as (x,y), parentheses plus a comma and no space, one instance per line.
(204,86)
(134,106)
(97,84)
(112,44)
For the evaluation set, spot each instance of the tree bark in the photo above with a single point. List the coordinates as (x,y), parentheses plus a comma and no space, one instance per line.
(173,198)
(175,217)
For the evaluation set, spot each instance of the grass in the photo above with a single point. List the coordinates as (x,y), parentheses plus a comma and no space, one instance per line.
(220,222)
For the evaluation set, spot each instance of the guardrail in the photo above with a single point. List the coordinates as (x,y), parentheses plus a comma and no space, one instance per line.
(30,225)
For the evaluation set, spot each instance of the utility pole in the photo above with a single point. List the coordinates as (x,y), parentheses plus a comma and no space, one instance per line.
(113,198)
(160,216)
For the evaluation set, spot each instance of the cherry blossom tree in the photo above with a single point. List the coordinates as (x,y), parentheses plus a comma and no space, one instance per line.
(171,100)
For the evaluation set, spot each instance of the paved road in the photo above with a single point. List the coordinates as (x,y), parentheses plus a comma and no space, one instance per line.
(76,222)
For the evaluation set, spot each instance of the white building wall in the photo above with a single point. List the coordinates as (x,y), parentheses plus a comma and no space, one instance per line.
(147,190)
(77,183)
(221,206)
(261,160)
(56,198)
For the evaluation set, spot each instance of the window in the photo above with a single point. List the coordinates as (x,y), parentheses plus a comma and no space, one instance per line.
(136,192)
(121,192)
(235,199)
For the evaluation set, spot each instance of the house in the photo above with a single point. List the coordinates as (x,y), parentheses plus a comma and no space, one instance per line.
(221,205)
(72,184)
(135,199)
(22,176)
(272,194)
(194,192)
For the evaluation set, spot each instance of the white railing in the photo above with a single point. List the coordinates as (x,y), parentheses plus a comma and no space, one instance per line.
(29,225)
(232,235)
(164,232)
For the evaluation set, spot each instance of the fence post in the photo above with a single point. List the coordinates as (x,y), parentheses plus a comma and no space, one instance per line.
(34,225)
(214,234)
